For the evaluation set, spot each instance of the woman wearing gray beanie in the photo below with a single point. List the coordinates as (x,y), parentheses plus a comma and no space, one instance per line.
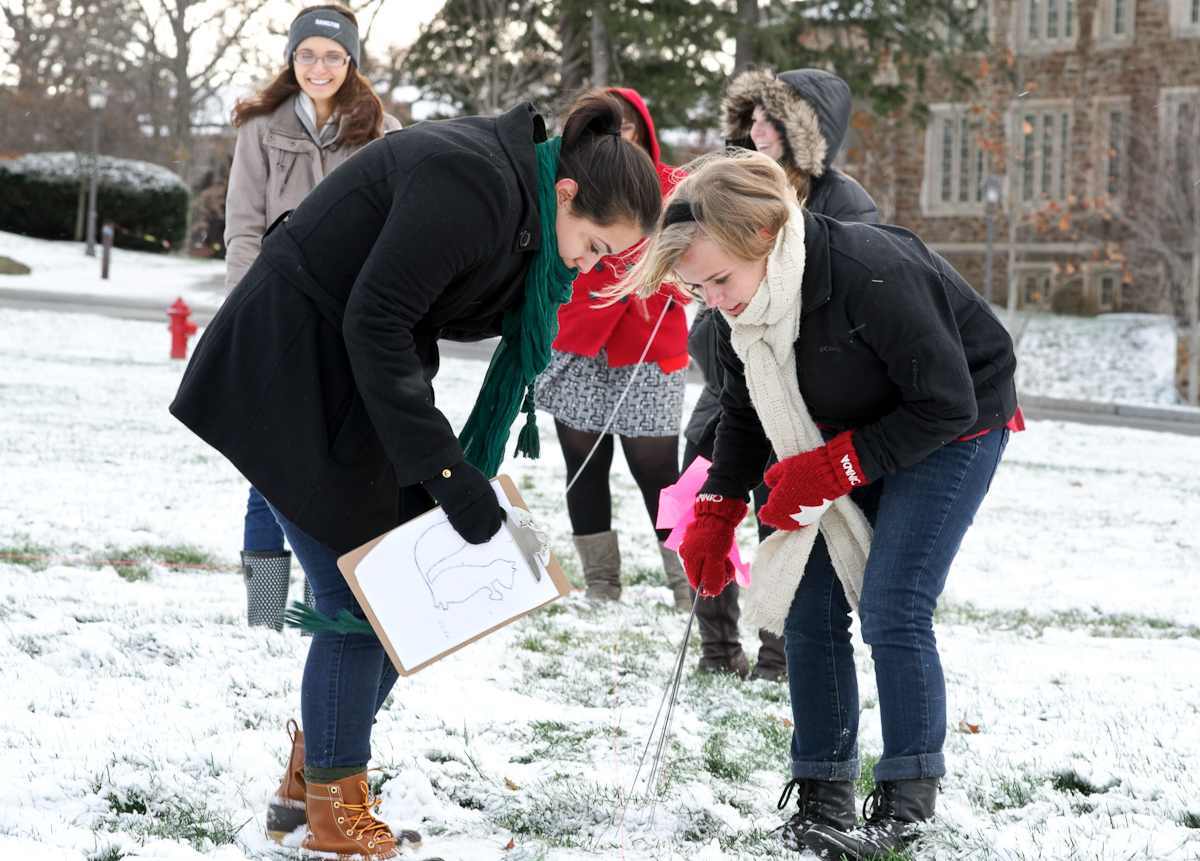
(316,113)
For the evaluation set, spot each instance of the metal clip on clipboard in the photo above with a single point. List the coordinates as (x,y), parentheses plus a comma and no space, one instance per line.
(532,537)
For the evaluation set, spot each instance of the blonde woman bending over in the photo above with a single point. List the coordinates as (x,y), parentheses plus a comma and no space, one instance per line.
(884,383)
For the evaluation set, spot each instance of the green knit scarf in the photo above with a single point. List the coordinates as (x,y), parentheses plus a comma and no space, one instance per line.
(528,330)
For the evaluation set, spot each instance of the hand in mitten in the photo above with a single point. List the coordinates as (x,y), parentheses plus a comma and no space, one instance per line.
(466,496)
(706,543)
(809,479)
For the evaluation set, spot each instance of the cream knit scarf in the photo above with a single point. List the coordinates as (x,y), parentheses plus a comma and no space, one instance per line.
(764,338)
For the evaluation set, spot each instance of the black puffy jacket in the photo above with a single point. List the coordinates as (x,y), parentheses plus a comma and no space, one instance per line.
(812,110)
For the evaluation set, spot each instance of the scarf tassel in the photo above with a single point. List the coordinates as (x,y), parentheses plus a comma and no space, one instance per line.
(528,441)
(310,621)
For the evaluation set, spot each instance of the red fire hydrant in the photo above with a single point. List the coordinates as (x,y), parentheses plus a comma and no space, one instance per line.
(180,328)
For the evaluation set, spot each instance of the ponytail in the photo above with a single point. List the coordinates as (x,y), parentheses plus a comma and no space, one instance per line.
(617,180)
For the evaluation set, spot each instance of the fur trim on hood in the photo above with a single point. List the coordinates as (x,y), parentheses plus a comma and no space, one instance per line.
(811,107)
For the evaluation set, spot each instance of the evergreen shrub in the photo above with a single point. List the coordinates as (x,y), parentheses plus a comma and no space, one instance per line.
(39,196)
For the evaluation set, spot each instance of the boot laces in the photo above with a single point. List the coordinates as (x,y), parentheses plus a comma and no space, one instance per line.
(365,823)
(786,795)
(880,805)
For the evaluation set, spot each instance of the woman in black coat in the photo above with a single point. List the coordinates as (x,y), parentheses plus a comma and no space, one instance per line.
(799,118)
(884,384)
(315,378)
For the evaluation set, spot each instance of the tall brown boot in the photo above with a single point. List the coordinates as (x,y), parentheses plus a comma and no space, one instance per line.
(772,661)
(342,825)
(677,580)
(286,811)
(600,555)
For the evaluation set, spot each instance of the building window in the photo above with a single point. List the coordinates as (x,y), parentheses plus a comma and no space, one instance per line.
(1049,22)
(1115,20)
(1035,286)
(1180,125)
(1108,290)
(1112,147)
(954,165)
(1185,17)
(1043,145)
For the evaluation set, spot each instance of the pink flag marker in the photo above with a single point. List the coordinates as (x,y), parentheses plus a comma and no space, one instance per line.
(675,513)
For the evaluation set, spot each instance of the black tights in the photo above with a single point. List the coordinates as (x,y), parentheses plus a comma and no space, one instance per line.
(653,460)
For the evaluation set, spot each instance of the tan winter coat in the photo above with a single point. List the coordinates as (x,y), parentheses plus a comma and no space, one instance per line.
(275,166)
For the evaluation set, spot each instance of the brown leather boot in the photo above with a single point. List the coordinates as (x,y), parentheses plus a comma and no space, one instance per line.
(286,811)
(341,823)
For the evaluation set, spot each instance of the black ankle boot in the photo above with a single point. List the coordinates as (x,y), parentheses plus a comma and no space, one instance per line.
(896,805)
(821,802)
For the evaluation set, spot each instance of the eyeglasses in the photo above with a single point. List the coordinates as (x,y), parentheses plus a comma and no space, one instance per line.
(331,61)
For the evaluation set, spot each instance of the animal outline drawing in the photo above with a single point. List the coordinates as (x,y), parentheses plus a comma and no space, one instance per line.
(453,580)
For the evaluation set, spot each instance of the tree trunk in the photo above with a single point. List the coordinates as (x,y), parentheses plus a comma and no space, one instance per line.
(747,13)
(599,44)
(570,75)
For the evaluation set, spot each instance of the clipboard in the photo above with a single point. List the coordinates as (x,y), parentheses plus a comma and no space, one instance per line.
(432,607)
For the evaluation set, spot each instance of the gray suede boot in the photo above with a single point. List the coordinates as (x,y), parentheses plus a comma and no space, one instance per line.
(820,802)
(717,618)
(896,806)
(600,556)
(772,662)
(677,581)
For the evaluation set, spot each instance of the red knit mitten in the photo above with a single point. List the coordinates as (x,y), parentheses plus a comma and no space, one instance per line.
(810,478)
(706,543)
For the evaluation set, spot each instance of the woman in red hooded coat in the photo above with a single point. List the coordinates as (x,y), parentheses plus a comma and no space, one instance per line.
(597,351)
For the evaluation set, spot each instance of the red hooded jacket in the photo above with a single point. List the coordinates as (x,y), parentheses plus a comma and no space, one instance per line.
(624,327)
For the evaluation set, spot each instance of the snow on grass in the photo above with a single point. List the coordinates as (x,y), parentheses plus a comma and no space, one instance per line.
(1112,357)
(62,267)
(142,718)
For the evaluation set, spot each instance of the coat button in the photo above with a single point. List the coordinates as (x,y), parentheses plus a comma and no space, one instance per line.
(293,143)
(598,268)
(524,238)
(593,295)
(624,299)
(445,473)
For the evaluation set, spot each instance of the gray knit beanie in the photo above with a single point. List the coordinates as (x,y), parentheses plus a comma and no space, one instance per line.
(327,23)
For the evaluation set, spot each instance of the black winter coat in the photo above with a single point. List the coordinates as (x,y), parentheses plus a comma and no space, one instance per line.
(893,344)
(315,377)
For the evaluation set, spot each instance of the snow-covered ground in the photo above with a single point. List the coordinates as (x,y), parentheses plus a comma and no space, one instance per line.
(62,267)
(142,718)
(1112,357)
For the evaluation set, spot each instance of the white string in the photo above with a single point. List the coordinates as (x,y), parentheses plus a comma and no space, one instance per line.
(637,367)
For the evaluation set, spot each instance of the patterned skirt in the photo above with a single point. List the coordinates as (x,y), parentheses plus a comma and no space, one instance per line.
(582,391)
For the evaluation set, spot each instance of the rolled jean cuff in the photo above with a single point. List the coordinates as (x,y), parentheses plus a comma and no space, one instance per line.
(907,767)
(851,769)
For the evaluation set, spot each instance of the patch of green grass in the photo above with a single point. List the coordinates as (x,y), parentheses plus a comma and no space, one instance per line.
(171,818)
(1070,781)
(865,784)
(21,545)
(1118,625)
(642,575)
(718,763)
(1189,819)
(566,812)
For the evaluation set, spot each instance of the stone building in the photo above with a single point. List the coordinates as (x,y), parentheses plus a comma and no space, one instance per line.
(1088,114)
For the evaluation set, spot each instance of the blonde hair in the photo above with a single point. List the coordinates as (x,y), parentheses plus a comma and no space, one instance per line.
(733,194)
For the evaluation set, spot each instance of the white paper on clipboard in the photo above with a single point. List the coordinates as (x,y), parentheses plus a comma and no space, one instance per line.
(432,592)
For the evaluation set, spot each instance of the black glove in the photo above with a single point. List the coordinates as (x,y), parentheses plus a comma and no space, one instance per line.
(466,496)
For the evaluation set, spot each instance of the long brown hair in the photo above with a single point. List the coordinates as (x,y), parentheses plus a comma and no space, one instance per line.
(358,108)
(616,178)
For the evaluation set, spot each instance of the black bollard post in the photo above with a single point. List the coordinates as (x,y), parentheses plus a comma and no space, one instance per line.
(106,240)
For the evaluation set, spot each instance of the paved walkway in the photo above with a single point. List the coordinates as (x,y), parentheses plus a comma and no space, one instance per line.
(1168,420)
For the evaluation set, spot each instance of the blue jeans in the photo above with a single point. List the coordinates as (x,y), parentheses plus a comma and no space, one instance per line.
(920,515)
(347,676)
(262,531)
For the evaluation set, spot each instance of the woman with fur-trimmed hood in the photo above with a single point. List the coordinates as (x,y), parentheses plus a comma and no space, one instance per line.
(799,118)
